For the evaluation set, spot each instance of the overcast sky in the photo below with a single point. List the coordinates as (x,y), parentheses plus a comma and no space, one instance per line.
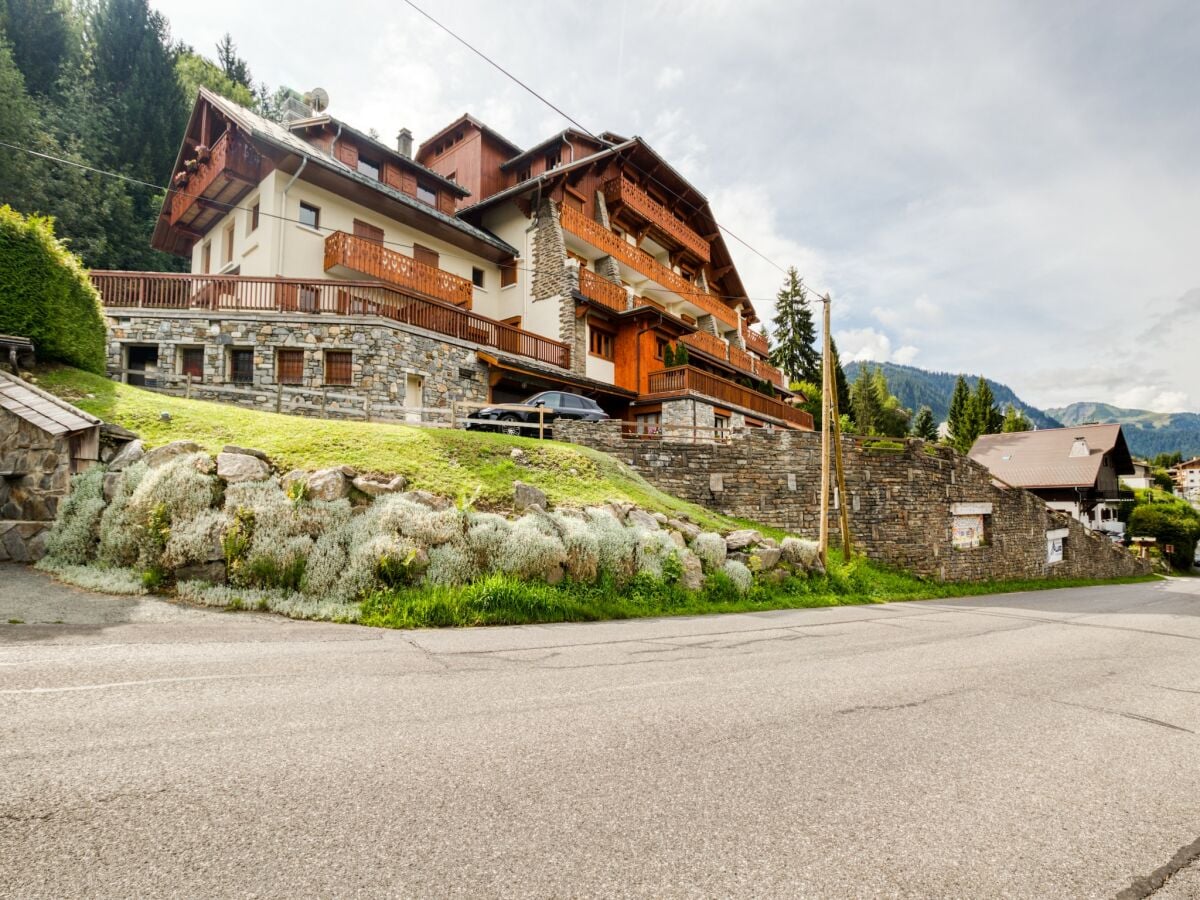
(1005,188)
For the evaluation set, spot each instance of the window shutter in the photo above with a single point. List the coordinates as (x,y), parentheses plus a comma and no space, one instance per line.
(368,232)
(425,256)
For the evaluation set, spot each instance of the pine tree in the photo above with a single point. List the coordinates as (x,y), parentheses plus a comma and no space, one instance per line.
(1015,420)
(923,425)
(958,424)
(234,67)
(795,350)
(42,39)
(864,400)
(841,383)
(985,417)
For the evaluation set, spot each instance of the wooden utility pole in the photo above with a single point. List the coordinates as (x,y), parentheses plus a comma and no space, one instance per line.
(839,468)
(826,373)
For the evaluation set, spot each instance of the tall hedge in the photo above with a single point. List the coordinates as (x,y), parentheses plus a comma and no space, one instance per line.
(45,293)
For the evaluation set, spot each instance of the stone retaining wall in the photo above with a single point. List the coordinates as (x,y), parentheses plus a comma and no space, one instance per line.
(35,475)
(905,503)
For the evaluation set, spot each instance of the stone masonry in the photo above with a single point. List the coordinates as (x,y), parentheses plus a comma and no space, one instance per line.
(383,354)
(555,280)
(902,501)
(35,474)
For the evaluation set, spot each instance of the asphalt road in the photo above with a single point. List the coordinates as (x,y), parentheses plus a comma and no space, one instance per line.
(1032,745)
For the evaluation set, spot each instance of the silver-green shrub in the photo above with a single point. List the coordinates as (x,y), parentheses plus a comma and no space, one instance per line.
(616,545)
(486,536)
(739,574)
(104,579)
(195,540)
(178,486)
(451,564)
(800,552)
(118,536)
(76,528)
(710,547)
(654,550)
(530,552)
(582,547)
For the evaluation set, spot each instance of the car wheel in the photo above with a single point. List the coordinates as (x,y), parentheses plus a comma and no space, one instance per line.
(510,429)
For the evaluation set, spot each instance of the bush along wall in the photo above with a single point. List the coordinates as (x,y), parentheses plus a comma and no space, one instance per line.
(233,532)
(46,295)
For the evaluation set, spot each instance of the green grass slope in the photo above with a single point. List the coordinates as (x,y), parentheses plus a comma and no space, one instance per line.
(440,460)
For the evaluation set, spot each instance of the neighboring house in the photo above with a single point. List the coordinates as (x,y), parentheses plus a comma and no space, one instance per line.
(472,271)
(1187,478)
(1142,478)
(1077,470)
(43,442)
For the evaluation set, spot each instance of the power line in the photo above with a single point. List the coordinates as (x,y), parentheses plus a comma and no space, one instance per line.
(230,207)
(586,131)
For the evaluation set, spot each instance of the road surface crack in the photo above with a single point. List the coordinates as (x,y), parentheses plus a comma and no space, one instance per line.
(1148,885)
(891,706)
(1128,715)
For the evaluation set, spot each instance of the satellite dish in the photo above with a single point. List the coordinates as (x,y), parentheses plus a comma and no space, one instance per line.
(318,99)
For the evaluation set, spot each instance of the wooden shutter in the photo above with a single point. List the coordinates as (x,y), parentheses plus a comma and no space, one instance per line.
(289,366)
(425,256)
(338,367)
(193,362)
(368,232)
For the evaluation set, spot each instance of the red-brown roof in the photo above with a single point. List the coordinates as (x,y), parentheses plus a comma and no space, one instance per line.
(1043,459)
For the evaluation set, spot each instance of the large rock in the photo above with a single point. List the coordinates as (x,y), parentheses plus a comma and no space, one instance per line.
(765,558)
(127,456)
(167,452)
(433,501)
(693,571)
(642,519)
(377,487)
(526,496)
(328,485)
(257,454)
(742,538)
(292,477)
(687,529)
(235,467)
(112,481)
(212,572)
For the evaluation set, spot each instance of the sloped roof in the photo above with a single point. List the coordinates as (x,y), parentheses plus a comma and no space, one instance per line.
(1042,459)
(467,118)
(40,409)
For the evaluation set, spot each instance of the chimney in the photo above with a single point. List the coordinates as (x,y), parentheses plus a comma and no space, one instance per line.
(404,143)
(1080,447)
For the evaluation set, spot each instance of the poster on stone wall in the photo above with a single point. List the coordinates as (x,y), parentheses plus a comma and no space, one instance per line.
(968,532)
(1055,542)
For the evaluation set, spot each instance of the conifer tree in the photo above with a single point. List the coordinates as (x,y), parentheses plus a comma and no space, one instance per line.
(234,67)
(42,41)
(795,350)
(923,425)
(841,383)
(984,416)
(864,400)
(1015,420)
(958,425)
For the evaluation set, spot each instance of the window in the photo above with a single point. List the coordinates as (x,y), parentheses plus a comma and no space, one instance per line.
(523,175)
(338,367)
(310,215)
(660,347)
(191,361)
(426,194)
(600,343)
(227,246)
(649,423)
(368,168)
(206,257)
(508,274)
(241,366)
(289,366)
(552,159)
(477,277)
(252,219)
(720,426)
(425,256)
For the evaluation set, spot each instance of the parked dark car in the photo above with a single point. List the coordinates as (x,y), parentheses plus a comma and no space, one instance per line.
(556,404)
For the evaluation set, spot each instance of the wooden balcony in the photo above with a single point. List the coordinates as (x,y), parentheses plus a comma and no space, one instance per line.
(230,170)
(378,262)
(739,359)
(641,261)
(603,291)
(755,341)
(622,191)
(768,372)
(684,380)
(710,344)
(164,291)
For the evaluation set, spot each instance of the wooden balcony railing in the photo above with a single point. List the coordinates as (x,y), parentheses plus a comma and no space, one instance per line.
(755,341)
(710,344)
(682,380)
(768,372)
(622,190)
(739,359)
(378,262)
(602,239)
(603,291)
(231,159)
(161,290)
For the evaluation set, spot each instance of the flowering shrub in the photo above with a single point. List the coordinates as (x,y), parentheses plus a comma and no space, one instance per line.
(73,540)
(739,574)
(710,547)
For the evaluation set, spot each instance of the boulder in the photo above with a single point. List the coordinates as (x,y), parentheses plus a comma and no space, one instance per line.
(765,558)
(742,538)
(642,519)
(693,571)
(328,485)
(112,481)
(678,539)
(235,467)
(127,456)
(517,455)
(167,452)
(687,529)
(296,475)
(607,510)
(376,487)
(743,558)
(619,508)
(433,501)
(660,518)
(526,496)
(243,451)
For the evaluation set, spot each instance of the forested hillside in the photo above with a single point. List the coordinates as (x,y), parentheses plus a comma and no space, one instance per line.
(917,387)
(1147,433)
(96,90)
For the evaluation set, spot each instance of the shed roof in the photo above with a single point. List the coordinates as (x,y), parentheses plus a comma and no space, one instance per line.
(1043,459)
(40,409)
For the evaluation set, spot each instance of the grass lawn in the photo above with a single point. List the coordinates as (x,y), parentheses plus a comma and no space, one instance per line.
(441,460)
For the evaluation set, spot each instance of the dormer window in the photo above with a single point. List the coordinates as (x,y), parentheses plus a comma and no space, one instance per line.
(553,158)
(368,167)
(523,175)
(426,194)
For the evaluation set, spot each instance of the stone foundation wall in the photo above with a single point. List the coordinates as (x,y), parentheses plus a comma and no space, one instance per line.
(902,502)
(35,475)
(384,354)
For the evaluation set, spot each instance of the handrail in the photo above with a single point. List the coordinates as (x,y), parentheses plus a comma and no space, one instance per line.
(170,290)
(603,291)
(736,357)
(600,237)
(686,379)
(228,152)
(621,189)
(377,261)
(755,341)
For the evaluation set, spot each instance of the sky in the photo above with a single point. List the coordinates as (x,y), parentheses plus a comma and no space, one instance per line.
(1010,189)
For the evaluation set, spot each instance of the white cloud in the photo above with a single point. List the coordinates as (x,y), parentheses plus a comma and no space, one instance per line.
(668,77)
(867,344)
(1152,397)
(905,355)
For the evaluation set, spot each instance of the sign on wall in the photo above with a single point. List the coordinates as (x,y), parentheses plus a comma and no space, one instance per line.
(968,532)
(1055,544)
